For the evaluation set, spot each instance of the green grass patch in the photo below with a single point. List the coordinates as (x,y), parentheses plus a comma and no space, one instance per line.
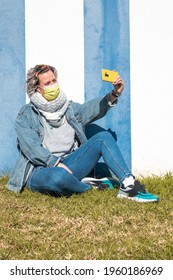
(92,226)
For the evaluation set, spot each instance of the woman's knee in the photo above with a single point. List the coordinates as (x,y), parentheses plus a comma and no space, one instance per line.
(104,135)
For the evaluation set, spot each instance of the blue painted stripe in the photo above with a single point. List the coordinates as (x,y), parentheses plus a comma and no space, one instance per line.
(107,45)
(12,76)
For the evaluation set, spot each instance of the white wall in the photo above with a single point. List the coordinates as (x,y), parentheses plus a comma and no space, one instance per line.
(54,36)
(151,36)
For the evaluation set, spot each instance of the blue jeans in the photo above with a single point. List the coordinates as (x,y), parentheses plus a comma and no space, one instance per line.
(57,181)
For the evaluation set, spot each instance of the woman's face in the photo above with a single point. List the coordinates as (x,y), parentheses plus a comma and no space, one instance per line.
(46,79)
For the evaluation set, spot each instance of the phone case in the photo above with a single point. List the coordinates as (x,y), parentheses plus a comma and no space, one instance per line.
(109,76)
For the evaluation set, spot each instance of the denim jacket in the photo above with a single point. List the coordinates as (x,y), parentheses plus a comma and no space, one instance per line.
(30,134)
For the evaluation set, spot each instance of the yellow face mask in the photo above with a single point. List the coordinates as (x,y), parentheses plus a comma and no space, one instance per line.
(51,92)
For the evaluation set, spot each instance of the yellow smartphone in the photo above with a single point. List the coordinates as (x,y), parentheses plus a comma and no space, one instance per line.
(109,76)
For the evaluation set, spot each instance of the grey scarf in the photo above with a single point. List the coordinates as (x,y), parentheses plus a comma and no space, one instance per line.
(53,111)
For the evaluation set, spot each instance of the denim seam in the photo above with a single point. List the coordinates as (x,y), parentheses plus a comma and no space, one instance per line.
(120,167)
(85,152)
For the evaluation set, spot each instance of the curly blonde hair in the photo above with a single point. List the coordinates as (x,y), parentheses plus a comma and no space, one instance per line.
(32,80)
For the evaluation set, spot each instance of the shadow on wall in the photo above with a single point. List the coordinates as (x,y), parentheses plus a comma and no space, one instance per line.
(101,170)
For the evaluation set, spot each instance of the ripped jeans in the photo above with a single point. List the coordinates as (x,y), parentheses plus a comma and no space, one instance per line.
(57,181)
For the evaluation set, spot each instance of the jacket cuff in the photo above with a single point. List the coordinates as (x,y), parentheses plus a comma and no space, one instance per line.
(58,161)
(110,103)
(53,161)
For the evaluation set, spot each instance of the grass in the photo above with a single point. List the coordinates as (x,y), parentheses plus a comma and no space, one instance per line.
(94,225)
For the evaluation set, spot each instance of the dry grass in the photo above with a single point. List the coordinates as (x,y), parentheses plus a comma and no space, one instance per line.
(95,225)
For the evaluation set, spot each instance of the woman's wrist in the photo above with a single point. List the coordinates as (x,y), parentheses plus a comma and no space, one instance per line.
(114,93)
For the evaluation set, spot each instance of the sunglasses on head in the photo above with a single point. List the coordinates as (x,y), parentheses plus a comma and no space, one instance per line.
(42,69)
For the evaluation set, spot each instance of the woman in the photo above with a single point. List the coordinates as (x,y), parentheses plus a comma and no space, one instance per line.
(54,153)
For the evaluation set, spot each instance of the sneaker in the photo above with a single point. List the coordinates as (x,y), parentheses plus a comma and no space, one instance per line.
(100,184)
(137,192)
